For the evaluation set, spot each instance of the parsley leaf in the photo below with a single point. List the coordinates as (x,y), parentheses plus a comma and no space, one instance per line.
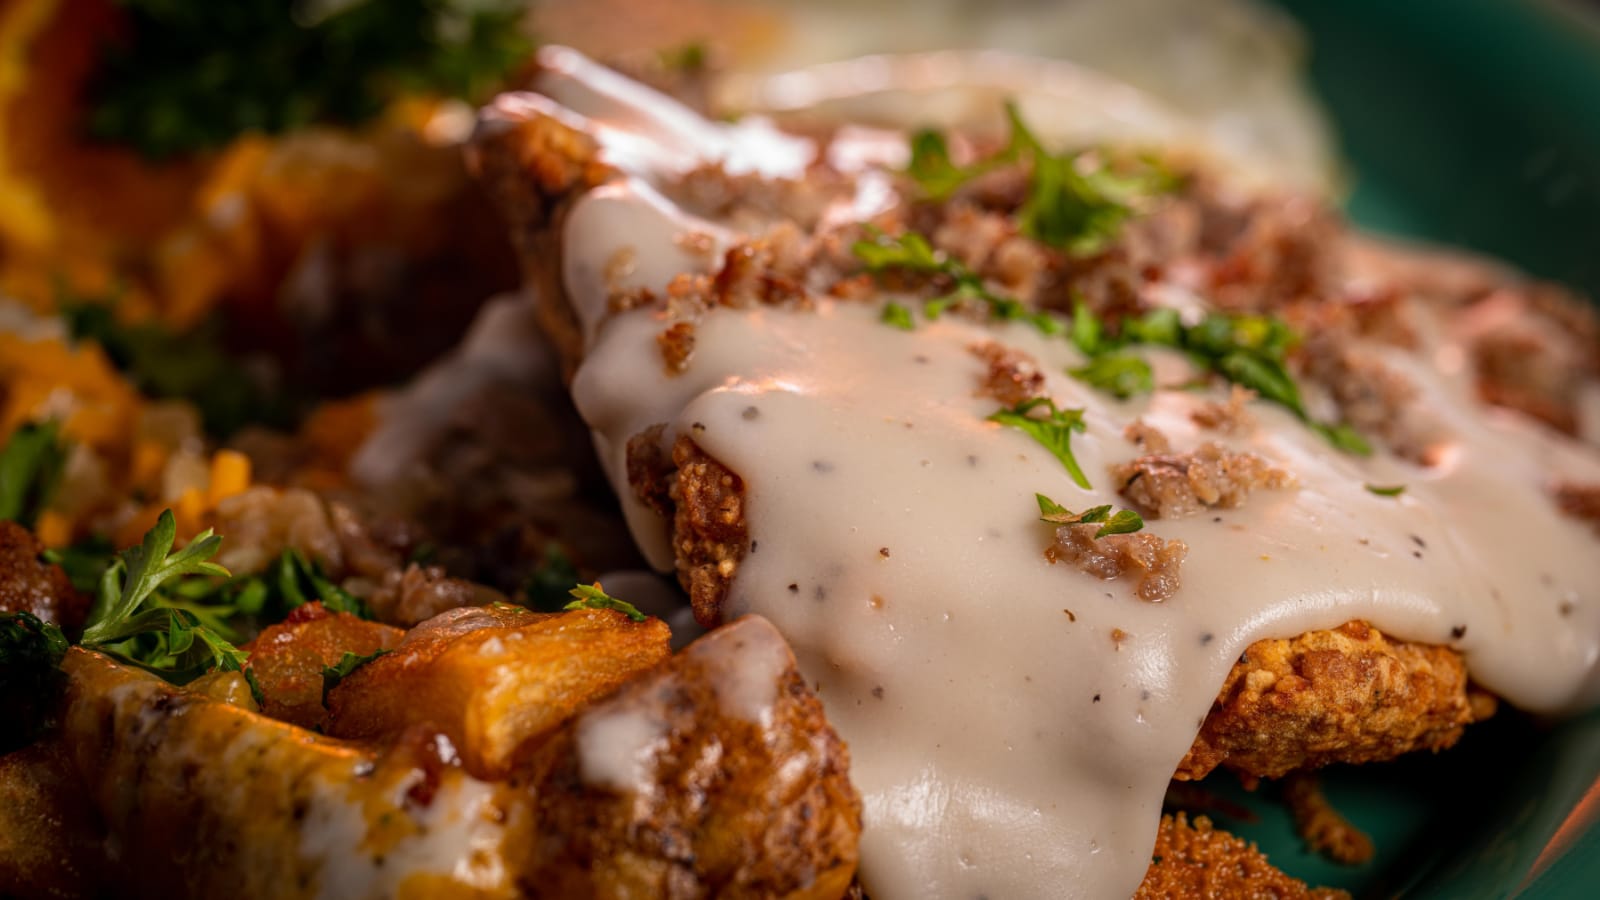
(592,597)
(1125,521)
(1120,374)
(31,651)
(911,252)
(339,671)
(192,76)
(132,621)
(30,470)
(299,581)
(897,316)
(1075,201)
(1053,431)
(1389,491)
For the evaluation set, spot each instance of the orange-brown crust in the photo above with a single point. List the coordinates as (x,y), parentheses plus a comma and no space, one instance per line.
(493,679)
(734,807)
(1347,695)
(287,659)
(1195,860)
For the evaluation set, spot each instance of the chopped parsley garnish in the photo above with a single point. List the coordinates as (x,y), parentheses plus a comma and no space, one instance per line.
(293,581)
(1075,201)
(339,671)
(592,597)
(30,470)
(133,622)
(31,651)
(1389,491)
(911,252)
(1123,521)
(1120,374)
(1053,430)
(548,587)
(192,76)
(897,316)
(1248,350)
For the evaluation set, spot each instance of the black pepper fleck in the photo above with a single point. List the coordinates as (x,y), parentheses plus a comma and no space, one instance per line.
(877,691)
(1097,698)
(754,545)
(1206,637)
(1070,616)
(1458,632)
(1416,539)
(697,427)
(822,465)
(750,414)
(972,461)
(1417,553)
(883,552)
(1144,695)
(921,359)
(1216,518)
(1565,608)
(821,593)
(794,588)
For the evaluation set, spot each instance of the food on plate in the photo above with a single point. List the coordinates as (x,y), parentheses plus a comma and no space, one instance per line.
(1029,451)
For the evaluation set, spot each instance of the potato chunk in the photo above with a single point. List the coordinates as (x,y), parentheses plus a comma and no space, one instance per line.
(714,775)
(287,659)
(495,678)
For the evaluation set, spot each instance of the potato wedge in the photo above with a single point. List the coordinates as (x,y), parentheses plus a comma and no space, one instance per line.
(287,659)
(495,678)
(714,775)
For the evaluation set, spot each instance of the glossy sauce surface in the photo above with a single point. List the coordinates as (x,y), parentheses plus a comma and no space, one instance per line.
(1013,724)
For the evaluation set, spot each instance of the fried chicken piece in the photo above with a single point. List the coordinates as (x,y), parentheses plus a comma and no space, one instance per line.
(494,678)
(287,659)
(715,775)
(1198,861)
(29,584)
(1348,695)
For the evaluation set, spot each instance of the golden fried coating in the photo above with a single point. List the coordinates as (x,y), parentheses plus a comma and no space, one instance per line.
(287,659)
(494,678)
(1348,695)
(729,783)
(1321,826)
(29,584)
(49,839)
(1195,861)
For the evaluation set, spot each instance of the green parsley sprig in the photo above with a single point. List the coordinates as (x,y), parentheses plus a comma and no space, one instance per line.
(30,470)
(592,597)
(910,252)
(1124,521)
(1053,430)
(1075,201)
(1248,350)
(192,76)
(347,664)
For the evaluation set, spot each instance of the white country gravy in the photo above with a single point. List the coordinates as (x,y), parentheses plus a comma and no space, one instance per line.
(1005,748)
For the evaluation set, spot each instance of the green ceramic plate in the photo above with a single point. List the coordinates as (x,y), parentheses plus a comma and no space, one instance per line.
(1473,123)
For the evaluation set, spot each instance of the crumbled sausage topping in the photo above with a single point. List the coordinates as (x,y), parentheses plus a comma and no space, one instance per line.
(1154,563)
(1169,485)
(1013,376)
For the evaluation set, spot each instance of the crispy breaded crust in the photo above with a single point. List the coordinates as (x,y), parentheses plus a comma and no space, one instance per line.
(1349,695)
(534,168)
(1194,861)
